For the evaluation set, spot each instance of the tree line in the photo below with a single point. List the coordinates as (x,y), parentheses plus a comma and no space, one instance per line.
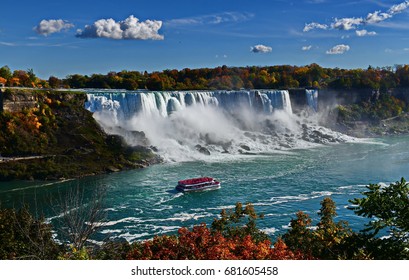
(222,78)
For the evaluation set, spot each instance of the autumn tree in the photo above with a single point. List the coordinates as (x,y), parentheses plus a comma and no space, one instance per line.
(327,241)
(54,82)
(229,238)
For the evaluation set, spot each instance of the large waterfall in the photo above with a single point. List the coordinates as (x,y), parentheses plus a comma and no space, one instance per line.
(186,125)
(129,104)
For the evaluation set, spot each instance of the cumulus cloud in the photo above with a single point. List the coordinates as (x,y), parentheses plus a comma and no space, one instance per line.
(398,8)
(47,27)
(306,48)
(130,29)
(355,22)
(347,23)
(362,33)
(261,49)
(338,49)
(376,17)
(314,25)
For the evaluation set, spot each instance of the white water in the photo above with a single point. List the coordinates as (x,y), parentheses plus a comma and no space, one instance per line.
(189,125)
(312,98)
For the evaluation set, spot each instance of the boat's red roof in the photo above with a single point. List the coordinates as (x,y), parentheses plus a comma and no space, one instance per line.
(195,180)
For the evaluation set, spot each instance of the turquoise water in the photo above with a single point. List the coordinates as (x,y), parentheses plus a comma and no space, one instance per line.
(142,203)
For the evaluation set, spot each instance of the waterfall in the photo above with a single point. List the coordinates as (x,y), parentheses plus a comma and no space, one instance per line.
(124,105)
(312,98)
(191,125)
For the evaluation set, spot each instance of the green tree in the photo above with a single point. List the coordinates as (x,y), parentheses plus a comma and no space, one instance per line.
(5,72)
(231,223)
(22,236)
(387,207)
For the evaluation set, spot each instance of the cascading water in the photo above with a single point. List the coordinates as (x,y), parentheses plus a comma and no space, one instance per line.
(312,99)
(190,125)
(165,103)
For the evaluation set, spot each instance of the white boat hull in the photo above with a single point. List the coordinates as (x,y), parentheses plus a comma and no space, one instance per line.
(199,188)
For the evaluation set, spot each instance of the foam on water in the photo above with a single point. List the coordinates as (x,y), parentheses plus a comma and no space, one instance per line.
(211,125)
(269,231)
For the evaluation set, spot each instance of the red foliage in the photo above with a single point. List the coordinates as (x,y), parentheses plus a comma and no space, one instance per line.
(201,243)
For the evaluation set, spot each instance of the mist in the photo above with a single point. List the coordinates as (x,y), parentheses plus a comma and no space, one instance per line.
(214,126)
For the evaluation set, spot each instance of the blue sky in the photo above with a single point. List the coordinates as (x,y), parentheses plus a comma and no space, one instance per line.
(67,37)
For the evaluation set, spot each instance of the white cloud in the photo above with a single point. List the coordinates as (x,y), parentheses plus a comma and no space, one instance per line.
(211,19)
(306,48)
(347,23)
(398,8)
(338,49)
(261,49)
(376,17)
(47,27)
(314,25)
(355,22)
(8,44)
(130,29)
(362,33)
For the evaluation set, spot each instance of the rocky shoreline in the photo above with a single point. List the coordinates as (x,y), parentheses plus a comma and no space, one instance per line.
(398,125)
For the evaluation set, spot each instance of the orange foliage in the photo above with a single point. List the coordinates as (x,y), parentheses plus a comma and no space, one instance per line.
(201,243)
(14,82)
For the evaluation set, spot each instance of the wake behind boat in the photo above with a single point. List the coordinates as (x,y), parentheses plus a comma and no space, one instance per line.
(197,184)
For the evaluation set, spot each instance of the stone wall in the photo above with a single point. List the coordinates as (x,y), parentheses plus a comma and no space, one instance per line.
(16,100)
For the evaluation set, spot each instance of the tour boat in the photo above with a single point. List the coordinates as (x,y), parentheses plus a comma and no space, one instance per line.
(198,184)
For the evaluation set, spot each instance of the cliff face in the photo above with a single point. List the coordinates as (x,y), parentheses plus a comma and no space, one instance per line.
(49,135)
(18,101)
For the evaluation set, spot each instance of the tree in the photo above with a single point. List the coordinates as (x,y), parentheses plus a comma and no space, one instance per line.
(387,207)
(5,72)
(54,82)
(231,223)
(327,241)
(76,81)
(330,235)
(81,217)
(201,243)
(23,236)
(299,237)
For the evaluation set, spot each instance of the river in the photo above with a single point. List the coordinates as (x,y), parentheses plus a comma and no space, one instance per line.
(142,203)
